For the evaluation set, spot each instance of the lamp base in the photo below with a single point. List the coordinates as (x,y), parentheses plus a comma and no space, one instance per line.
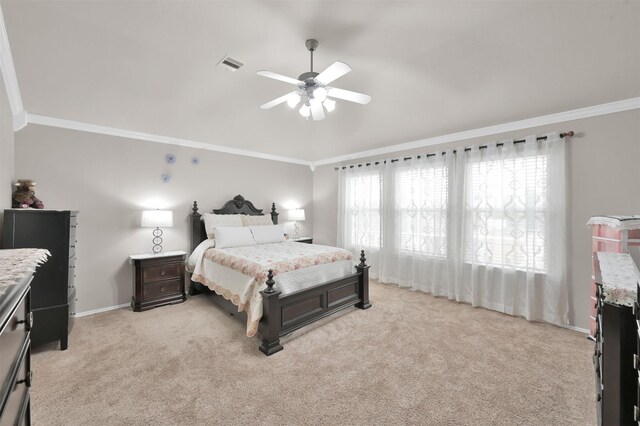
(157,240)
(296,231)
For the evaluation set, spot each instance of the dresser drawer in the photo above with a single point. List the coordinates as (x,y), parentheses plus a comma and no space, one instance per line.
(13,338)
(13,409)
(161,289)
(161,272)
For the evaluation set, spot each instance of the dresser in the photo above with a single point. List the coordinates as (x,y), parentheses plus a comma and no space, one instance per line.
(613,234)
(16,322)
(53,291)
(636,359)
(616,338)
(158,279)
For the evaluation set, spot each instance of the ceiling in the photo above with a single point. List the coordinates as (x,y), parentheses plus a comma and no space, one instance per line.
(432,68)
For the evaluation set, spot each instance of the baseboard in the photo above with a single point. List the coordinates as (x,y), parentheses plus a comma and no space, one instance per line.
(574,328)
(97,311)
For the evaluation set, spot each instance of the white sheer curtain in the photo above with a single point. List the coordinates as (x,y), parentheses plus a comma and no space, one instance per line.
(360,193)
(484,226)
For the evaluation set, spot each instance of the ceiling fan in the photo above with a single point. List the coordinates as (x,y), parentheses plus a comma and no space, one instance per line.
(313,89)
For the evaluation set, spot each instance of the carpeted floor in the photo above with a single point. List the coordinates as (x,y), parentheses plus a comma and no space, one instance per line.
(411,359)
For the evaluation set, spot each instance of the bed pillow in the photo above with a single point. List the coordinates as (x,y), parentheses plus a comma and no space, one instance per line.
(233,236)
(212,220)
(268,234)
(198,253)
(256,220)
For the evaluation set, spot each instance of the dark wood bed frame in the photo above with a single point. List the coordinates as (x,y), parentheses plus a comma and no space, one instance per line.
(284,314)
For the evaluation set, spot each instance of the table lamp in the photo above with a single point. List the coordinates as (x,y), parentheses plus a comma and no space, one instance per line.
(157,219)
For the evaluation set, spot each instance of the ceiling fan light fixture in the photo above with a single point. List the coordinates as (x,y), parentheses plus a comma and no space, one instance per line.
(293,100)
(313,88)
(305,111)
(329,104)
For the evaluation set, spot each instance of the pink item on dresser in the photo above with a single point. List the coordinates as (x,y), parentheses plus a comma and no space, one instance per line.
(613,234)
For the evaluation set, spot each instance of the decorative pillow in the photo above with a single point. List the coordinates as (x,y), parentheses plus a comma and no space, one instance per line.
(233,236)
(256,220)
(198,253)
(212,220)
(268,234)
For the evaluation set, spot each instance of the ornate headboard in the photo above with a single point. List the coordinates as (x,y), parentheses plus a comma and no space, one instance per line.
(236,206)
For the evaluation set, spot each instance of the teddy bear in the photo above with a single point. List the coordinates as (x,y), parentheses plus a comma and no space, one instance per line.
(24,196)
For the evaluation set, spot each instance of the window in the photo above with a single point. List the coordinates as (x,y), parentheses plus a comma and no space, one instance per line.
(362,198)
(421,195)
(505,205)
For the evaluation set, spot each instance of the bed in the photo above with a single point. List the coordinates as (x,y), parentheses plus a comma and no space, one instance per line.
(295,284)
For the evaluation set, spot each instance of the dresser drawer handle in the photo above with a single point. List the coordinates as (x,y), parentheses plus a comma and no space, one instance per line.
(636,362)
(636,413)
(28,321)
(162,289)
(163,273)
(27,379)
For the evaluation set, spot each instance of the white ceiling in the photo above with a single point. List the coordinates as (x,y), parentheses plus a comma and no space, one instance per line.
(432,68)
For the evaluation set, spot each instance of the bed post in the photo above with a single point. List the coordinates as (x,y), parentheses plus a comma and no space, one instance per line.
(194,222)
(271,318)
(274,214)
(363,282)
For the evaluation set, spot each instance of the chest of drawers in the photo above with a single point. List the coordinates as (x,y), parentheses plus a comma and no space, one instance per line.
(53,291)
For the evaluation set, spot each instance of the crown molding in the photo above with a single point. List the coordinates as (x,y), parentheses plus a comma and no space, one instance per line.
(19,121)
(561,117)
(44,120)
(9,76)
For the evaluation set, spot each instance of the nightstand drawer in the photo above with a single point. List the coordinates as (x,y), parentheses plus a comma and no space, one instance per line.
(161,272)
(161,289)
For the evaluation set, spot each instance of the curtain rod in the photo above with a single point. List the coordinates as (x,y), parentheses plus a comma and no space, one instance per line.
(541,138)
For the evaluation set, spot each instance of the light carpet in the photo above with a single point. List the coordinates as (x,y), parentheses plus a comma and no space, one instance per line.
(411,359)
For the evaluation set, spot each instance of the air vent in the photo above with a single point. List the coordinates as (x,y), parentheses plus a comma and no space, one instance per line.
(230,64)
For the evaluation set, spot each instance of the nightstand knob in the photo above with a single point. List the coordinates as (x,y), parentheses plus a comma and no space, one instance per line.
(27,379)
(162,288)
(28,321)
(163,273)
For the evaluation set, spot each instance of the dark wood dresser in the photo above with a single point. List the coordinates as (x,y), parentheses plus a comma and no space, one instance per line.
(158,279)
(16,323)
(616,342)
(53,292)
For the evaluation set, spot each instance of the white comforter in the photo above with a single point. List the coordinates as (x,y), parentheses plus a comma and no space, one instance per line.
(238,274)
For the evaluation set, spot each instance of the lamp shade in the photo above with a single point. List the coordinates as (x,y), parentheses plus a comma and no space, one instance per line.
(295,215)
(157,219)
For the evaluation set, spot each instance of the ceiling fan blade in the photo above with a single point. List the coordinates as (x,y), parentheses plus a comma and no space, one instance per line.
(333,72)
(280,77)
(317,112)
(348,95)
(276,101)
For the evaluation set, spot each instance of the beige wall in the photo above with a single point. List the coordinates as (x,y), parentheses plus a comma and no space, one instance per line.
(603,178)
(110,180)
(6,152)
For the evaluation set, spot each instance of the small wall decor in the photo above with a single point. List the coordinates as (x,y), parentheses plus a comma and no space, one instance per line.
(24,196)
(170,158)
(165,178)
(195,161)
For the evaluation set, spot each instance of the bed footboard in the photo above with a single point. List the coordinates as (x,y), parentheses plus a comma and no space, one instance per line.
(282,315)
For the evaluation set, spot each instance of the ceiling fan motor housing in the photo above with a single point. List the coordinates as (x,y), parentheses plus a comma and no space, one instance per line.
(307,77)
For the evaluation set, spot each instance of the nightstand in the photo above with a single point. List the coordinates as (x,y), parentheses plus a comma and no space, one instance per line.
(307,240)
(158,279)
